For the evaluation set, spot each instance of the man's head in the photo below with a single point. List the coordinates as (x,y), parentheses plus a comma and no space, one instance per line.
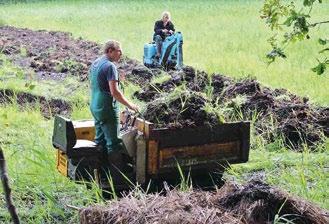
(112,50)
(165,16)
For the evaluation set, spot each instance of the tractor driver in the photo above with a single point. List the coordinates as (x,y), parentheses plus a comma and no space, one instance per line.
(105,96)
(162,28)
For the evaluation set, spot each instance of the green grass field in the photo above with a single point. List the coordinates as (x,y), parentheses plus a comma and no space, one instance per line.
(226,37)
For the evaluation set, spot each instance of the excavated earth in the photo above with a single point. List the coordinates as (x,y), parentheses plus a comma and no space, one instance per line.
(56,55)
(254,202)
(293,117)
(179,102)
(48,107)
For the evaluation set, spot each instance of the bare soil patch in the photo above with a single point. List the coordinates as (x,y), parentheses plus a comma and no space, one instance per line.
(48,107)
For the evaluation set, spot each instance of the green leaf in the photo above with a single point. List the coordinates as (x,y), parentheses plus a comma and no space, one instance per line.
(308,2)
(322,41)
(5,116)
(323,50)
(31,86)
(320,68)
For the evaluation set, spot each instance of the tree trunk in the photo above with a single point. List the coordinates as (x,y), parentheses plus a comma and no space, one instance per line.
(6,189)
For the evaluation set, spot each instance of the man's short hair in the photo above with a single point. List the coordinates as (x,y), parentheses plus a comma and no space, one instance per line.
(165,13)
(111,45)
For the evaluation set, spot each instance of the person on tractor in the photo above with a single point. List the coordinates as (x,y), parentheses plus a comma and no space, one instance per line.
(162,28)
(105,95)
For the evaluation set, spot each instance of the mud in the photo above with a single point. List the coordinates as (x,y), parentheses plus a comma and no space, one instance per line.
(49,54)
(193,80)
(184,110)
(56,55)
(254,202)
(295,119)
(48,107)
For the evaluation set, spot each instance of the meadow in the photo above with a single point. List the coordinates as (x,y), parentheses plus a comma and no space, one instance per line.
(226,37)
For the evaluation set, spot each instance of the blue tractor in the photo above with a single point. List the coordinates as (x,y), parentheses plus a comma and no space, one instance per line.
(171,53)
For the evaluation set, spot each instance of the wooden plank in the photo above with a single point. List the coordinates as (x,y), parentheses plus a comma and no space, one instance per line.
(62,162)
(199,155)
(197,136)
(142,125)
(141,159)
(152,157)
(84,129)
(245,142)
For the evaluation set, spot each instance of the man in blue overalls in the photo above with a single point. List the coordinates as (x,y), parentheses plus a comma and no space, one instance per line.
(105,95)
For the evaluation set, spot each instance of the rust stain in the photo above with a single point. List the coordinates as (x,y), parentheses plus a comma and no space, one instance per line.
(193,155)
(153,157)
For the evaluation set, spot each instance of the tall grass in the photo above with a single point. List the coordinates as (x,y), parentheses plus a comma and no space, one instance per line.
(304,174)
(226,37)
(40,193)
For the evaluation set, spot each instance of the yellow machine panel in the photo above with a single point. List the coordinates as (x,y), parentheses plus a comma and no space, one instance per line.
(62,162)
(84,129)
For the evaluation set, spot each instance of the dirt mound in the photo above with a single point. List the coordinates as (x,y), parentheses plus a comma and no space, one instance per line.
(294,118)
(193,80)
(136,72)
(184,109)
(48,108)
(297,120)
(254,202)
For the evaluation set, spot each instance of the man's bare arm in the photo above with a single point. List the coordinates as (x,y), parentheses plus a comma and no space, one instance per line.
(117,94)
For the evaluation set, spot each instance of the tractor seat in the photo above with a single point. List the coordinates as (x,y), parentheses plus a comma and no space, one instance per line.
(82,143)
(64,139)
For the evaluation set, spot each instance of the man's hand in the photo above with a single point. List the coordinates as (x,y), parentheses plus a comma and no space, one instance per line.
(165,30)
(171,31)
(134,107)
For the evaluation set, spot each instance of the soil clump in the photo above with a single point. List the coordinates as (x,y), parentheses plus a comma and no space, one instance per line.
(48,107)
(253,202)
(186,109)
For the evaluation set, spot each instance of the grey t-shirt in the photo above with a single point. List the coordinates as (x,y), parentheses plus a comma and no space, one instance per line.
(107,73)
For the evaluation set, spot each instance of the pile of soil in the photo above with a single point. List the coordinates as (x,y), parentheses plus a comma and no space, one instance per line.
(296,120)
(193,80)
(48,107)
(254,202)
(55,55)
(184,110)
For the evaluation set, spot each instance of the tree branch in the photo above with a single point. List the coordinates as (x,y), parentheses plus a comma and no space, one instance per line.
(6,189)
(315,24)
